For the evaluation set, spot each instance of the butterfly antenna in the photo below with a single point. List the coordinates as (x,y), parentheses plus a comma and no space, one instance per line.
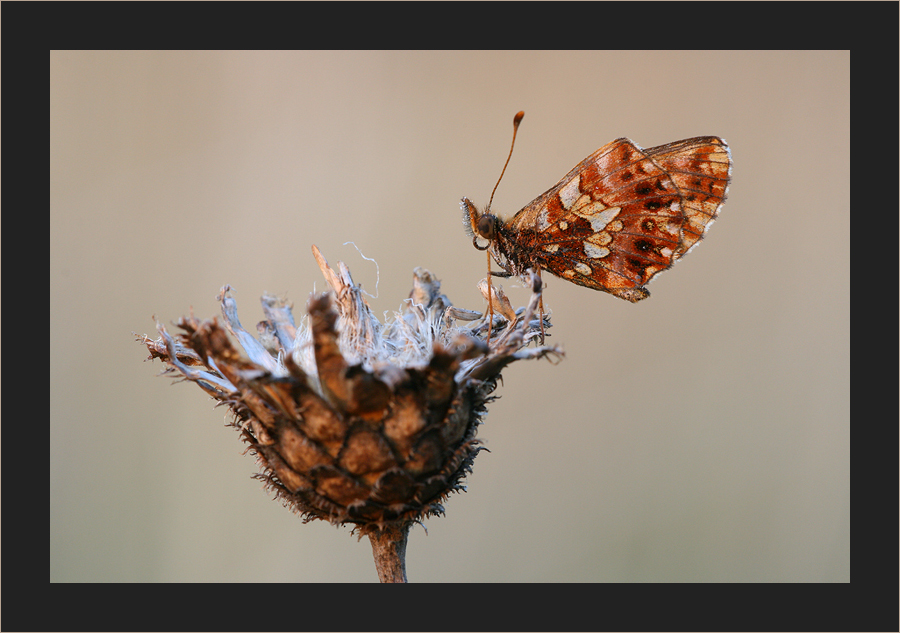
(516,120)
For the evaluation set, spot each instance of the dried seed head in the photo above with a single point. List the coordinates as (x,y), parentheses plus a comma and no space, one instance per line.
(355,421)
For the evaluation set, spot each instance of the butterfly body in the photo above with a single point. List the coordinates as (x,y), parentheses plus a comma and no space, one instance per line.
(615,221)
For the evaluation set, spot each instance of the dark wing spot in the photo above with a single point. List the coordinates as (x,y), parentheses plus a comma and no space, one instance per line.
(637,266)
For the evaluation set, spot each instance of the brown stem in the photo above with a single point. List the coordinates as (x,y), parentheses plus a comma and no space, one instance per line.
(389,548)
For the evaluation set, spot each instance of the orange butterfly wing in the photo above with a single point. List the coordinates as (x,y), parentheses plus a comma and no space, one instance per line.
(624,214)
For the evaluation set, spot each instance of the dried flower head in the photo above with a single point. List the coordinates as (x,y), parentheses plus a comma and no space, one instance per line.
(354,421)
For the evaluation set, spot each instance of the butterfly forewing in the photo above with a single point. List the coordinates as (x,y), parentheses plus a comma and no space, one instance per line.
(611,223)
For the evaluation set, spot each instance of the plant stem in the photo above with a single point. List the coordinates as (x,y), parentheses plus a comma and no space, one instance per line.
(389,549)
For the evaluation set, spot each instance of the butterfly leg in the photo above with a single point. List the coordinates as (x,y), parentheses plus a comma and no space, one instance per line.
(490,302)
(537,271)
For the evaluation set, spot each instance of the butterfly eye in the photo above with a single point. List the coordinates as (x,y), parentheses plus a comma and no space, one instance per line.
(487,226)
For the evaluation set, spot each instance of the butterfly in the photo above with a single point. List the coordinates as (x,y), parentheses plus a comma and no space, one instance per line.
(619,218)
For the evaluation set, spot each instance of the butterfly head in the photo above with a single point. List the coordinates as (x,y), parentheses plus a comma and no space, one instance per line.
(482,227)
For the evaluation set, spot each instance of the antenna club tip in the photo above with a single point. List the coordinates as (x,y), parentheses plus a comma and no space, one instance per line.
(516,120)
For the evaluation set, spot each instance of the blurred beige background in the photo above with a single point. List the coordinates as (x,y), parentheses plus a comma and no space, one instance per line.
(702,435)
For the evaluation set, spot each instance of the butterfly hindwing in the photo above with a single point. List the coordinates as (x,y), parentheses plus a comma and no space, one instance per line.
(701,169)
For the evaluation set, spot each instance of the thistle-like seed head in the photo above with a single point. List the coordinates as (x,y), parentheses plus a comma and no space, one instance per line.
(354,421)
